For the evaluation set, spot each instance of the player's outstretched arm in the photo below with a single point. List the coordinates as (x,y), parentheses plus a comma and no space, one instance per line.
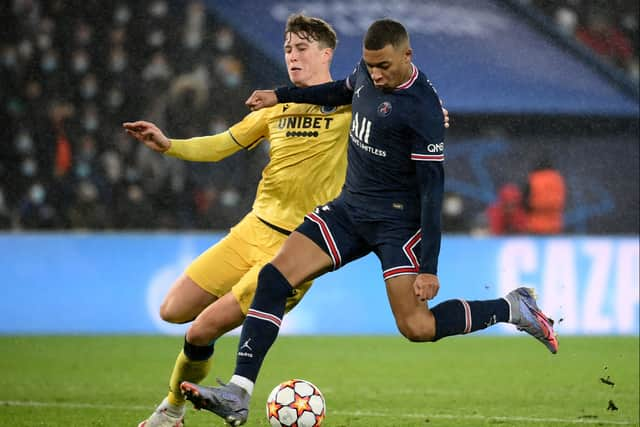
(211,148)
(331,94)
(148,134)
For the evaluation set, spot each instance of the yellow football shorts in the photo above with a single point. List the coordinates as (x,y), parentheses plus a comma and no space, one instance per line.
(234,262)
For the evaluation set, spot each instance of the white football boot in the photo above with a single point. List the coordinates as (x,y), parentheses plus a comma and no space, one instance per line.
(165,415)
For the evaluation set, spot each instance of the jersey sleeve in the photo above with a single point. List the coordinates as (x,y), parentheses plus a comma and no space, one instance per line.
(203,148)
(428,145)
(430,176)
(428,153)
(251,130)
(332,94)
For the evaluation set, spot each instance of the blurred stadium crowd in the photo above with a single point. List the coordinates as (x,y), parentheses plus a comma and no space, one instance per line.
(72,71)
(608,27)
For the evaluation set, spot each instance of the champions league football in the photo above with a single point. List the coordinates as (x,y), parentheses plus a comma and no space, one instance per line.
(296,403)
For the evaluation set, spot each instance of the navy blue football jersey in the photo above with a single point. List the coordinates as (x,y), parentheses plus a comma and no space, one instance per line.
(390,132)
(395,154)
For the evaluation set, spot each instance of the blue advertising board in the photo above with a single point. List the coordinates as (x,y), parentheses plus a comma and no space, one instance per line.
(114,283)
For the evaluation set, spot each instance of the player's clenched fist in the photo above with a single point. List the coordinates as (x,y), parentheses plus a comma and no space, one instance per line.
(426,286)
(149,134)
(261,99)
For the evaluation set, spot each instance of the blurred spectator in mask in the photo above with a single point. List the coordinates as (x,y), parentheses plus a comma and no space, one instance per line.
(114,101)
(49,65)
(89,87)
(90,119)
(29,172)
(224,40)
(544,199)
(86,157)
(80,62)
(24,142)
(157,69)
(118,60)
(9,66)
(87,212)
(35,210)
(158,9)
(195,25)
(121,14)
(26,51)
(507,215)
(230,71)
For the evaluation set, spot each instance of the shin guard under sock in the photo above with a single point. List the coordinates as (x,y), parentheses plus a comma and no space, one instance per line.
(262,324)
(192,364)
(455,317)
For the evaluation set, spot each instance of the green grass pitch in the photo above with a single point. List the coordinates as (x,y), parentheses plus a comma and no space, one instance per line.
(367,381)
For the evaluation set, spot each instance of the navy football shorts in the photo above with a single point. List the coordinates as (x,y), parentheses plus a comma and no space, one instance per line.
(345,239)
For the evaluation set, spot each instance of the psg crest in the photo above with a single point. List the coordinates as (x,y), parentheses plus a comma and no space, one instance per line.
(384,109)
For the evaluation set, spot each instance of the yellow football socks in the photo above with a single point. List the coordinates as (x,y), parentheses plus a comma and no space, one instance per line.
(186,370)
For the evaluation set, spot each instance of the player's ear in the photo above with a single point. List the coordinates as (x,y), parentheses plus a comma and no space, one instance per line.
(408,55)
(328,54)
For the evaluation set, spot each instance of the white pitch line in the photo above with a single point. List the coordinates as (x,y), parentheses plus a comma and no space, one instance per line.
(577,421)
(69,405)
(599,421)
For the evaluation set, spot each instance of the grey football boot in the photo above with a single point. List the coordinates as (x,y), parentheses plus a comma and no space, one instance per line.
(229,401)
(528,317)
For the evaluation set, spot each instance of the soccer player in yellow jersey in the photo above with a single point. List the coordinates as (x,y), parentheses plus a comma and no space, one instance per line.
(306,169)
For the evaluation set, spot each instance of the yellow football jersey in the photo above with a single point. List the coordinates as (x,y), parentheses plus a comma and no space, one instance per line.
(308,159)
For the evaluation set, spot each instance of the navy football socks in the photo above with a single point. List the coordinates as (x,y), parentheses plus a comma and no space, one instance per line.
(261,327)
(455,317)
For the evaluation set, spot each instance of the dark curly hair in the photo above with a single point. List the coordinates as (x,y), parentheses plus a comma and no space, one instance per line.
(384,32)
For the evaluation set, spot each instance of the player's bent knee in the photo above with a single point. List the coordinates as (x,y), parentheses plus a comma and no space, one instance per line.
(198,335)
(166,314)
(169,314)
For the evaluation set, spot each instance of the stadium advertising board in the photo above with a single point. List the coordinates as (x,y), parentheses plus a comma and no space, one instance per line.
(114,283)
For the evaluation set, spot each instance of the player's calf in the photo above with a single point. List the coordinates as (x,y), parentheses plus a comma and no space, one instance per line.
(417,330)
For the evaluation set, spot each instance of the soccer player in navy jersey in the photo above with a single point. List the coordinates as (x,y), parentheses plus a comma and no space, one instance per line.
(390,205)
